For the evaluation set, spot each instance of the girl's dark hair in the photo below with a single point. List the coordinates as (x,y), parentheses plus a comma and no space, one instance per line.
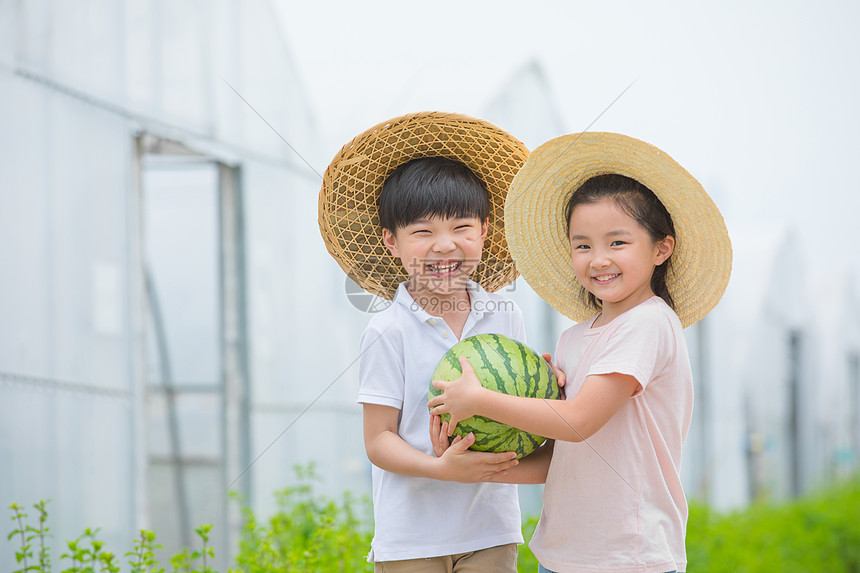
(431,187)
(640,203)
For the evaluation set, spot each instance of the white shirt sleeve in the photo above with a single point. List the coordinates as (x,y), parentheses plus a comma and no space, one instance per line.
(381,371)
(518,326)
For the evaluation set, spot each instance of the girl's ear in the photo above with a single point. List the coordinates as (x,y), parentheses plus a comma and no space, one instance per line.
(390,241)
(665,248)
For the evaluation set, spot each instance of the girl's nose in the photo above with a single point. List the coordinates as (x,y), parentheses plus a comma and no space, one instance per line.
(600,260)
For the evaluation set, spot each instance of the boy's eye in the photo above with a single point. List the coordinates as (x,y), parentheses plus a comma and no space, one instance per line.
(617,243)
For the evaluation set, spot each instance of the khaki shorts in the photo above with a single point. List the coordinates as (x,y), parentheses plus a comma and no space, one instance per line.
(501,559)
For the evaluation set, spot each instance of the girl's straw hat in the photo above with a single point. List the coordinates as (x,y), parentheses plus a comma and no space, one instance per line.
(536,226)
(348,214)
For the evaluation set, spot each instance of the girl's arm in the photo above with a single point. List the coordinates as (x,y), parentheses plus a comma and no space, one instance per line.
(572,420)
(531,469)
(387,450)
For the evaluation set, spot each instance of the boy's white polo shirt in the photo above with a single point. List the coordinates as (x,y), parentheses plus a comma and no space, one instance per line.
(422,517)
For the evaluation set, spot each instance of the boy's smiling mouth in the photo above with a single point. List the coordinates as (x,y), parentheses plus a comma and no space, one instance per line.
(443,267)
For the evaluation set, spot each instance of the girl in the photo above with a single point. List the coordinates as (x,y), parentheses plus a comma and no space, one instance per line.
(637,228)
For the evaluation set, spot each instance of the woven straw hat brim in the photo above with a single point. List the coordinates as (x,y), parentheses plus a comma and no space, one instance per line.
(536,226)
(348,212)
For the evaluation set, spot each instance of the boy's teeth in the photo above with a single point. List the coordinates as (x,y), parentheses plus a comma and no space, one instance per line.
(444,268)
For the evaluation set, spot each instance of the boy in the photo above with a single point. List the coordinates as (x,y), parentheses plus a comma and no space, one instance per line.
(434,214)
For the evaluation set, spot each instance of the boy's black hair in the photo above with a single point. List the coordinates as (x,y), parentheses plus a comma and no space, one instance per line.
(431,187)
(643,206)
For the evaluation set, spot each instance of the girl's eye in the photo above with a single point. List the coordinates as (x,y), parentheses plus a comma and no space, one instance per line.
(617,243)
(580,247)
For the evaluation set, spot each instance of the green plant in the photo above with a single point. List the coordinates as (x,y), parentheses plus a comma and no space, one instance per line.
(306,532)
(25,531)
(27,534)
(84,552)
(142,559)
(184,560)
(42,534)
(207,551)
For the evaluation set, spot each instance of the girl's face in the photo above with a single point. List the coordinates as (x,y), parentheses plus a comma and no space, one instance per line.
(613,256)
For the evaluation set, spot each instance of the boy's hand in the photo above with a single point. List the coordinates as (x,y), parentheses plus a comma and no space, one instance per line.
(465,466)
(460,397)
(462,465)
(439,436)
(560,376)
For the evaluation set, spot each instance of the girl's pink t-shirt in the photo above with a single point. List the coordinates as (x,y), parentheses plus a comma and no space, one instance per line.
(615,502)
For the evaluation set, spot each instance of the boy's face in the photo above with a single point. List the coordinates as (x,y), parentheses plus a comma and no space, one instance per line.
(439,254)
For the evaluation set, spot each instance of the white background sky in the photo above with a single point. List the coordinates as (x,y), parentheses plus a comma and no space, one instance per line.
(758,100)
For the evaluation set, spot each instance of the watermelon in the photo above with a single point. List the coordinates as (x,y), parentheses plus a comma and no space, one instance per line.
(504,365)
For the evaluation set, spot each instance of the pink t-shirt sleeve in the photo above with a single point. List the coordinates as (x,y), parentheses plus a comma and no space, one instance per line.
(639,347)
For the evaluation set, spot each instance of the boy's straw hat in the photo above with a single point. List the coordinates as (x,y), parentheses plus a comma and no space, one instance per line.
(537,234)
(348,214)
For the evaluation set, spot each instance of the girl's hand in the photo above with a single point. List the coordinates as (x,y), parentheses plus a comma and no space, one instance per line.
(460,398)
(560,376)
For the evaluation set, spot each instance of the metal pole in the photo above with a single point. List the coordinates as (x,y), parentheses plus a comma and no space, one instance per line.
(137,339)
(794,346)
(235,420)
(172,415)
(854,405)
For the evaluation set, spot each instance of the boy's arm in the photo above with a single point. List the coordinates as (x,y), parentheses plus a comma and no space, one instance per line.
(571,420)
(388,451)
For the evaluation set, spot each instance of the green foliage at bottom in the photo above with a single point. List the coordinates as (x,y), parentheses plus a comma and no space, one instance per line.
(307,533)
(819,532)
(313,534)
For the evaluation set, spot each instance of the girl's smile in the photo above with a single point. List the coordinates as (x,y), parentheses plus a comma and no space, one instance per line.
(604,279)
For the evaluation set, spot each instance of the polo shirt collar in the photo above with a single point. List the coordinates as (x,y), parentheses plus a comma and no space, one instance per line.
(478,297)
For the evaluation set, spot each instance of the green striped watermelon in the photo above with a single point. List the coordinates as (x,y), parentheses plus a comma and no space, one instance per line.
(504,365)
